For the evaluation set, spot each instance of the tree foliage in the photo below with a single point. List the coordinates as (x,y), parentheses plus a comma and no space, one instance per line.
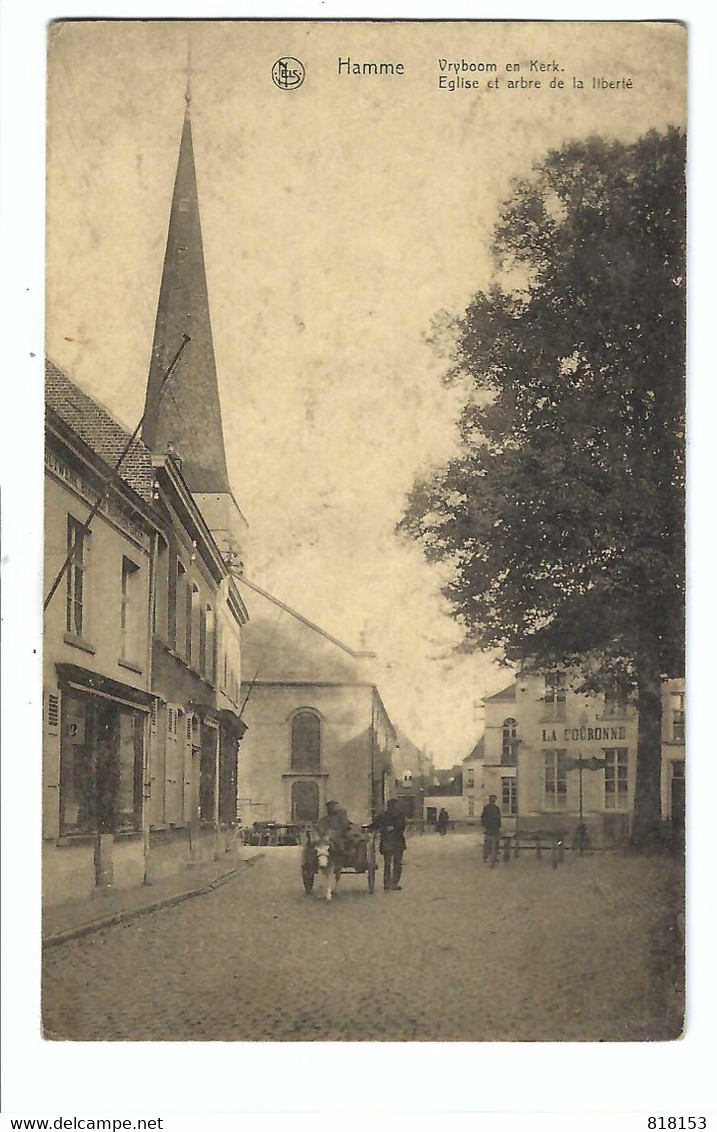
(562,513)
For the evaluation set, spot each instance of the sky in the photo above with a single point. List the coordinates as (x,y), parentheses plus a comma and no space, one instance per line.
(339,219)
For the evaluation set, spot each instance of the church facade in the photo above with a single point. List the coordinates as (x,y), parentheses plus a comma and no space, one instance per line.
(317,728)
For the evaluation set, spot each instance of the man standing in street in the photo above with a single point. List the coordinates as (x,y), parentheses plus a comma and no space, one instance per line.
(490,820)
(391,825)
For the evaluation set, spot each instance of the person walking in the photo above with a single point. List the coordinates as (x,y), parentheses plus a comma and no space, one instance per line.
(442,823)
(391,825)
(490,820)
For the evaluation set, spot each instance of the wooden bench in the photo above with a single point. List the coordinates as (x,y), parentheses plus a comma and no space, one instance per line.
(552,839)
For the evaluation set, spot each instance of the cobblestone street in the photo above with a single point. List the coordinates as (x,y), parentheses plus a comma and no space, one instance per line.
(520,952)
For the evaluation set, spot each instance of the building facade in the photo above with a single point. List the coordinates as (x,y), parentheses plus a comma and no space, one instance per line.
(414,773)
(473,789)
(317,728)
(142,661)
(673,752)
(552,755)
(97,659)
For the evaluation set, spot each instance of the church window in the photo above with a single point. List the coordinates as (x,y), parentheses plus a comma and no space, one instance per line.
(305,741)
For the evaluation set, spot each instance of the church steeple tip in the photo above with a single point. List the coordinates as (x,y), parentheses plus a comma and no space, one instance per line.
(187,414)
(188,86)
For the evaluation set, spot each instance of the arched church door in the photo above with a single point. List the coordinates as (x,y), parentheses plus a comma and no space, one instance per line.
(304,801)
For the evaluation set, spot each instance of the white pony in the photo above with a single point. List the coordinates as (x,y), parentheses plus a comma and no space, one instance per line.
(329,865)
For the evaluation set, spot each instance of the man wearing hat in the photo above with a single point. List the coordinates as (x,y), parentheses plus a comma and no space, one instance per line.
(335,826)
(392,825)
(490,820)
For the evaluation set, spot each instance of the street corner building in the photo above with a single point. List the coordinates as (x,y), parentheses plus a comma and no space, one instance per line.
(143,621)
(141,662)
(556,758)
(317,728)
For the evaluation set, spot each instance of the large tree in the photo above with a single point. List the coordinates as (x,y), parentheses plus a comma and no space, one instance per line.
(562,513)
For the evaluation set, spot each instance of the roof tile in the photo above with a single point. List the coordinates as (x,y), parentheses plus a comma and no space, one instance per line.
(99,431)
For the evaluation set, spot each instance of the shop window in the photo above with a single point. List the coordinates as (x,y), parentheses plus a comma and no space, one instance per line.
(554,697)
(509,796)
(615,778)
(76,546)
(100,766)
(556,780)
(128,799)
(306,741)
(509,749)
(678,717)
(129,609)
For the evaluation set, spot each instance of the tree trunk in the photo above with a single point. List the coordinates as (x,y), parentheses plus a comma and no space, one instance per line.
(647,819)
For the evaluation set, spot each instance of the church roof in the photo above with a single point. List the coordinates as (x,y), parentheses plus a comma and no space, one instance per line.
(98,429)
(283,646)
(187,414)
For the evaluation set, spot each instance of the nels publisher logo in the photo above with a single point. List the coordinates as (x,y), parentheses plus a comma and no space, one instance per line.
(288,73)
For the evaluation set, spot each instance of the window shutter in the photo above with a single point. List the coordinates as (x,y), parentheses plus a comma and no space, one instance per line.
(187,791)
(51,764)
(173,768)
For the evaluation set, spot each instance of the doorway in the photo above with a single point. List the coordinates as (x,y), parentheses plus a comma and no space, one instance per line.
(304,801)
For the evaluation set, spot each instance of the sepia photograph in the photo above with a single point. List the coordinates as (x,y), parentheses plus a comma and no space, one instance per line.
(363,665)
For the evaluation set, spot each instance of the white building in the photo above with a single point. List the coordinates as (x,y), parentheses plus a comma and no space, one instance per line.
(550,754)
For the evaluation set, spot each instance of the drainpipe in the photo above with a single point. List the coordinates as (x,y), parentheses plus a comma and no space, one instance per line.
(149,751)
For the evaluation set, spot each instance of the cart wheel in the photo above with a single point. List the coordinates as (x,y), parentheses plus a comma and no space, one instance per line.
(371,874)
(307,875)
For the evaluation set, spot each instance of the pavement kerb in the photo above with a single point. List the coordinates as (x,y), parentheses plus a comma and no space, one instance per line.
(128,914)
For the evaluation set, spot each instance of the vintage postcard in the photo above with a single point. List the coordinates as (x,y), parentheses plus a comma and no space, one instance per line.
(363,673)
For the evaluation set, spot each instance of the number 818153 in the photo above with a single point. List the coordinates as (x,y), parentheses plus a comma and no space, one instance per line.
(676,1122)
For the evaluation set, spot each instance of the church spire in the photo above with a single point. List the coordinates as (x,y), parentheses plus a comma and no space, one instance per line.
(187,415)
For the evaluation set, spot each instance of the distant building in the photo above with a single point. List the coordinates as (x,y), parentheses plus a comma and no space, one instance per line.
(446,793)
(414,772)
(546,748)
(317,728)
(473,781)
(673,752)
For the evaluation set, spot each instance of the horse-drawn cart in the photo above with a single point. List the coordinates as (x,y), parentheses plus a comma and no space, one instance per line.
(353,855)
